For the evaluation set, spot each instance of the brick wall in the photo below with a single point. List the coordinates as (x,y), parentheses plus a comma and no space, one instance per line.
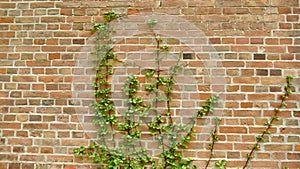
(256,41)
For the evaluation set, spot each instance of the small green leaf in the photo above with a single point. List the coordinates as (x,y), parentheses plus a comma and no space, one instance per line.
(277,110)
(268,124)
(275,118)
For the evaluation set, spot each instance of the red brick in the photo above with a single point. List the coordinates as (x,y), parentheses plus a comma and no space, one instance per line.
(278,155)
(287,64)
(7,34)
(39,63)
(284,10)
(242,11)
(256,40)
(257,3)
(227,3)
(233,63)
(229,10)
(264,164)
(244,48)
(290,131)
(52,19)
(147,3)
(7,5)
(26,20)
(291,164)
(65,34)
(257,33)
(51,79)
(4,42)
(245,80)
(246,113)
(3,165)
(24,78)
(60,95)
(294,49)
(28,49)
(278,147)
(233,129)
(83,19)
(37,158)
(284,41)
(10,125)
(20,141)
(64,63)
(261,96)
(200,3)
(131,11)
(242,40)
(294,156)
(53,48)
(42,5)
(285,3)
(6,19)
(35,94)
(296,10)
(287,33)
(259,64)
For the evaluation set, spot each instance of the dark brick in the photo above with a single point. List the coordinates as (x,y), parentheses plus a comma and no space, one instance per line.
(275,73)
(259,57)
(262,72)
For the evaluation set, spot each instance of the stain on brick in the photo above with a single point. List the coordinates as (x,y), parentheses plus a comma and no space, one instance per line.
(259,57)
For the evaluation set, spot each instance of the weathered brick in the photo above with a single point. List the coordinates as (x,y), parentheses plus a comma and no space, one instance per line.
(257,3)
(42,5)
(280,147)
(228,3)
(24,79)
(285,3)
(52,19)
(265,164)
(233,130)
(83,19)
(35,94)
(7,34)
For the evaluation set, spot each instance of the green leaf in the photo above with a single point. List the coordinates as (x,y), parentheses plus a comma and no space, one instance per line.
(268,124)
(277,110)
(289,78)
(275,118)
(259,138)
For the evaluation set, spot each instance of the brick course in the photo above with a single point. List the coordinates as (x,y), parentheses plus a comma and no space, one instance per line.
(257,42)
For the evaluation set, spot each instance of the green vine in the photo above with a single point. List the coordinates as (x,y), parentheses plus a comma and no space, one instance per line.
(162,126)
(268,124)
(130,154)
(104,105)
(214,138)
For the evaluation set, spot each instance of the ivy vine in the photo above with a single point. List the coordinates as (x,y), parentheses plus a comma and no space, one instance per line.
(131,154)
(260,138)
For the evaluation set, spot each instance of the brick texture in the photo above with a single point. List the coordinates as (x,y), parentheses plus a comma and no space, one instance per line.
(256,42)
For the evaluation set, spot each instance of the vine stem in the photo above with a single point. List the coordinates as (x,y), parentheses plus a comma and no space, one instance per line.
(157,86)
(169,93)
(199,114)
(214,136)
(276,110)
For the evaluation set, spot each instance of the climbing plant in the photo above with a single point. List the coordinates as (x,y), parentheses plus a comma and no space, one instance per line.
(127,126)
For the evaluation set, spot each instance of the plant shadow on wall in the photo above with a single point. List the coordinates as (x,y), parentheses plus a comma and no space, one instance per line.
(144,117)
